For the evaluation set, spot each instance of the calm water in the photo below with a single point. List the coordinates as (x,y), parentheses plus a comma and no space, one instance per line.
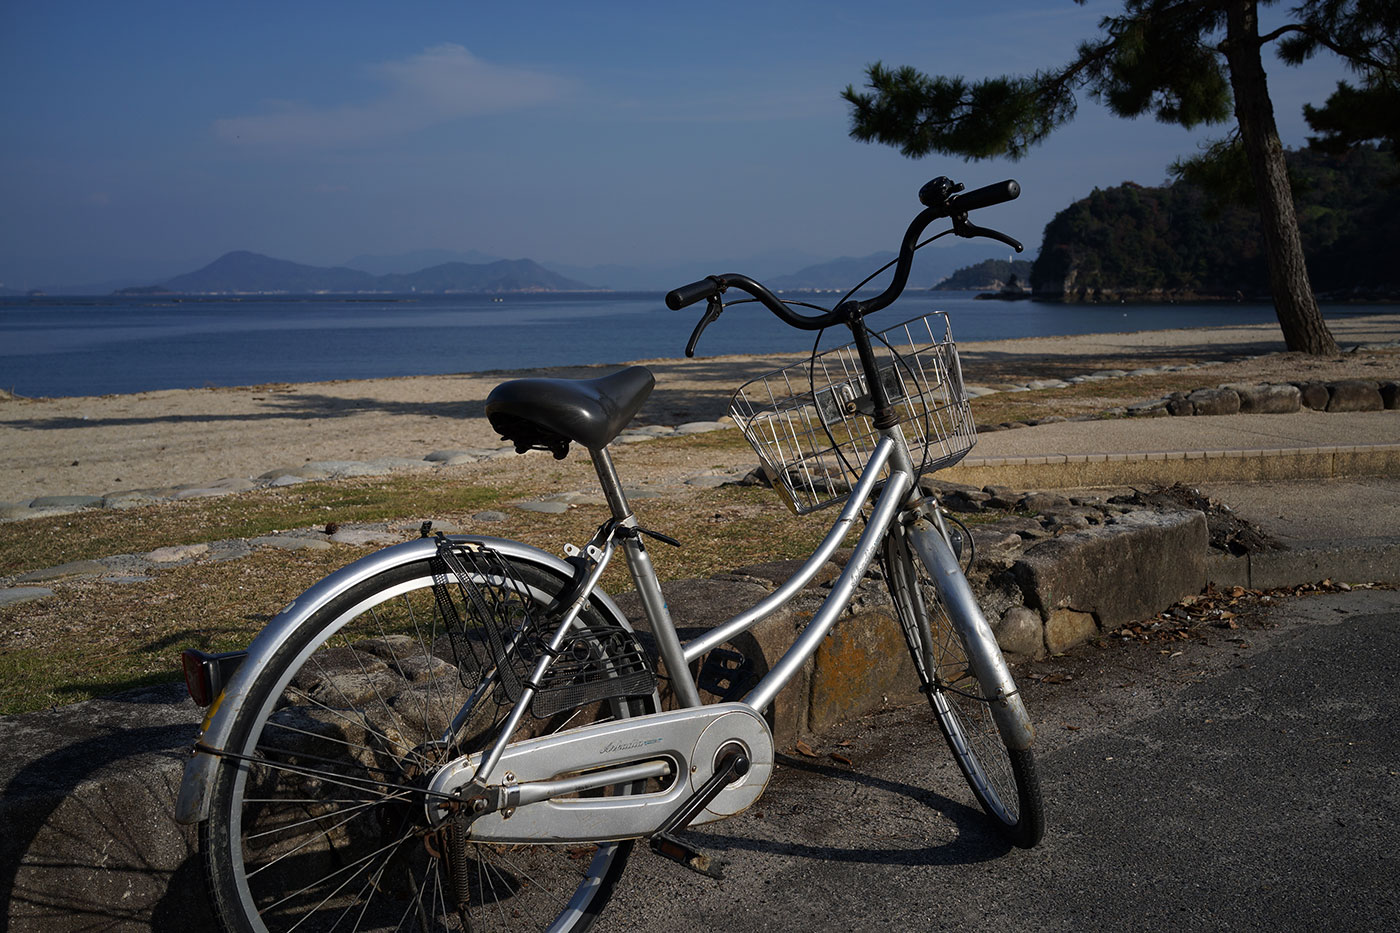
(82,346)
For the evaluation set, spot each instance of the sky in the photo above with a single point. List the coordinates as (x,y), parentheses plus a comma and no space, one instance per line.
(144,139)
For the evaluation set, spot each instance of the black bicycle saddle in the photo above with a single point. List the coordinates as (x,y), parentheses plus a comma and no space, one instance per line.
(546,414)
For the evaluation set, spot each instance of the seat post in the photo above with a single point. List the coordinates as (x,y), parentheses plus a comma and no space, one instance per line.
(663,629)
(611,483)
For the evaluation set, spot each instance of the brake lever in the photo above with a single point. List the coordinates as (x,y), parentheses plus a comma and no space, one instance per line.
(714,307)
(963,228)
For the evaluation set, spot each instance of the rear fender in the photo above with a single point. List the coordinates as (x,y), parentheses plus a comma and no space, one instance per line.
(192,805)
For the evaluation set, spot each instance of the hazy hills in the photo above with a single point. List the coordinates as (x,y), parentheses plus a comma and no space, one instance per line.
(243,272)
(445,271)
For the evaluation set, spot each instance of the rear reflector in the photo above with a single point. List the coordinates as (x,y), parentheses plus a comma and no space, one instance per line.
(206,674)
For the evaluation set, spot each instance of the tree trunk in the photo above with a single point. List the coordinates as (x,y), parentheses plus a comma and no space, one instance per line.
(1303,327)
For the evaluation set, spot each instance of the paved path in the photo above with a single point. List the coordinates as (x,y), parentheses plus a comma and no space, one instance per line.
(1248,784)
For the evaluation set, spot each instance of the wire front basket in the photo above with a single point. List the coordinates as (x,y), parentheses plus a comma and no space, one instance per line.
(812,426)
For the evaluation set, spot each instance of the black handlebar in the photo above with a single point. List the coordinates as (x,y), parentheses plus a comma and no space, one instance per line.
(708,287)
(999,193)
(941,197)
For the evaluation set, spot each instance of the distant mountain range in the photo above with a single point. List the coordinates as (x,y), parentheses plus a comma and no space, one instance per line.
(442,271)
(243,272)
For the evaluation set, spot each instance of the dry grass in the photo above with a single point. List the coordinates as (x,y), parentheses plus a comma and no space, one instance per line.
(96,637)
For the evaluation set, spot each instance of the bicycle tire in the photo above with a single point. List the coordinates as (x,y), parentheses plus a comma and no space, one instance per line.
(305,830)
(1003,779)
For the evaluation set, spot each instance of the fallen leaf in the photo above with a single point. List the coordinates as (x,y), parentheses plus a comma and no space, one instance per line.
(804,749)
(837,756)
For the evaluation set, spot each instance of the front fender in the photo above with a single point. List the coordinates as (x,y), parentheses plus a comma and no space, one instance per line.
(192,805)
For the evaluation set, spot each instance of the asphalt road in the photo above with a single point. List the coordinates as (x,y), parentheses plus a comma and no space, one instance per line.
(1247,780)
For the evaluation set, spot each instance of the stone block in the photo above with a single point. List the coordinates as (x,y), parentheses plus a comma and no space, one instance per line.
(1020,633)
(862,665)
(1220,401)
(75,568)
(1066,628)
(1313,395)
(1123,571)
(1353,395)
(89,841)
(1179,404)
(66,502)
(1268,399)
(12,595)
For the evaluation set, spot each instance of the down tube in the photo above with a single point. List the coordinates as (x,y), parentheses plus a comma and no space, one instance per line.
(889,503)
(1008,709)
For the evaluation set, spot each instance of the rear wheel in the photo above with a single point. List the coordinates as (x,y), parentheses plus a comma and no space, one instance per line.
(317,817)
(1003,779)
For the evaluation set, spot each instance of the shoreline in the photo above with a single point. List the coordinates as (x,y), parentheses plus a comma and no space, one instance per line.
(98,445)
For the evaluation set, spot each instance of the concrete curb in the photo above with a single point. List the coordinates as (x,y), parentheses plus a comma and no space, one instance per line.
(1065,471)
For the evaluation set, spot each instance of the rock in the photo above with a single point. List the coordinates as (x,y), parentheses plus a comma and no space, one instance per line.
(291,543)
(1123,571)
(176,552)
(1150,409)
(1313,395)
(66,502)
(1353,395)
(1179,404)
(1215,401)
(202,492)
(400,464)
(359,537)
(490,515)
(709,481)
(1268,399)
(288,479)
(11,595)
(1020,633)
(1038,502)
(76,568)
(1066,628)
(548,508)
(442,456)
(966,501)
(15,510)
(700,427)
(128,500)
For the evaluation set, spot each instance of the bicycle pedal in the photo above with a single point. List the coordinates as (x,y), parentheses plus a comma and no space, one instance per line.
(668,846)
(727,674)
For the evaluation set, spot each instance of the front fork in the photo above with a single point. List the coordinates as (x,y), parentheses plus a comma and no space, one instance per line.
(926,539)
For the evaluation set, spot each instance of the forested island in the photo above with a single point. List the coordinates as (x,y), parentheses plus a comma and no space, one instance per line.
(1138,243)
(994,274)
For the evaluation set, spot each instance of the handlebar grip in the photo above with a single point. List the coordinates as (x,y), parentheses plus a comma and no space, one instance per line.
(689,294)
(985,196)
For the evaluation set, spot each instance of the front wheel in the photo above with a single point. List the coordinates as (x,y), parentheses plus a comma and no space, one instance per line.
(317,813)
(1004,779)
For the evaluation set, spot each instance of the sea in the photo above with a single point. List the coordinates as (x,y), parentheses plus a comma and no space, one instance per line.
(55,346)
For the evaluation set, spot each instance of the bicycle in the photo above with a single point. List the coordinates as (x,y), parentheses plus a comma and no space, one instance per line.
(465,732)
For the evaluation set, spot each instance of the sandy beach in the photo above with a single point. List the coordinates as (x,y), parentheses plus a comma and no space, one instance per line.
(100,445)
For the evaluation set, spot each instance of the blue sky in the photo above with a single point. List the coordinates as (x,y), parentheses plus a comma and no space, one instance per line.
(147,138)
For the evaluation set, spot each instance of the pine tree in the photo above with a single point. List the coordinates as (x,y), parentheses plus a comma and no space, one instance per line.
(1189,62)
